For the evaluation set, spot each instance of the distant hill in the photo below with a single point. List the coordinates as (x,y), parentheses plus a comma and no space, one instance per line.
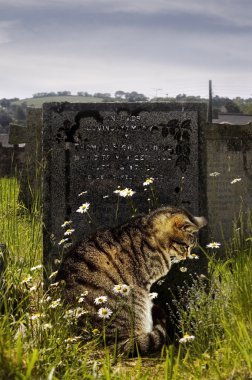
(38,102)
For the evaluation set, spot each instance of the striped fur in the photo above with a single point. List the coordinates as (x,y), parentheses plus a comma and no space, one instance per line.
(137,253)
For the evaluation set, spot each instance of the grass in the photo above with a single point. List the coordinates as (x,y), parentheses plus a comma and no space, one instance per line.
(38,337)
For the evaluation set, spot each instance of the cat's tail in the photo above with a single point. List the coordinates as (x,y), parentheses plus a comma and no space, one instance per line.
(145,343)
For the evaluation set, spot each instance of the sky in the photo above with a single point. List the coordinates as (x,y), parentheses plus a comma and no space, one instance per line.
(155,47)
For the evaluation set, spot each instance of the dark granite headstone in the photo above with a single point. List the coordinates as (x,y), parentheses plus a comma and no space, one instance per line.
(95,148)
(30,181)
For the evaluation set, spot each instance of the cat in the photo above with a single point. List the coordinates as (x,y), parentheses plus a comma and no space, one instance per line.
(129,258)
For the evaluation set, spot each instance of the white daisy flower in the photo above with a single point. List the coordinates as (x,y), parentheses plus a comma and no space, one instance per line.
(101,299)
(214,174)
(53,274)
(148,181)
(235,180)
(46,326)
(66,223)
(125,290)
(81,299)
(122,289)
(54,285)
(62,241)
(83,208)
(78,312)
(36,267)
(153,295)
(69,231)
(186,338)
(68,314)
(213,245)
(183,269)
(72,339)
(104,312)
(117,289)
(125,193)
(82,193)
(47,299)
(33,288)
(36,316)
(193,256)
(54,304)
(84,294)
(202,276)
(26,280)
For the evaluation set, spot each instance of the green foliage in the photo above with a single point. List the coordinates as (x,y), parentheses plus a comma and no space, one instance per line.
(39,101)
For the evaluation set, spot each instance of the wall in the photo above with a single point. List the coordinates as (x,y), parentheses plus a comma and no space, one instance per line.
(229,176)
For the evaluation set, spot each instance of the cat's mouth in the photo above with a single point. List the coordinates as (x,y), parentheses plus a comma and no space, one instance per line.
(181,250)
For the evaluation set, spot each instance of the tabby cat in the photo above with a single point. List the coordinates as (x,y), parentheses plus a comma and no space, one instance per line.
(135,254)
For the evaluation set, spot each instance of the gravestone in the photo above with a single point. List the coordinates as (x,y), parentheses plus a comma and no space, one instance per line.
(95,148)
(229,183)
(30,181)
(91,149)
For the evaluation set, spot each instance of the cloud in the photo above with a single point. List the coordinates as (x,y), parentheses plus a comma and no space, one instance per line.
(106,45)
(6,29)
(229,11)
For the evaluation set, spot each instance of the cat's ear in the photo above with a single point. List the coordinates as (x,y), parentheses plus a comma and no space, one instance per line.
(188,225)
(200,221)
(195,224)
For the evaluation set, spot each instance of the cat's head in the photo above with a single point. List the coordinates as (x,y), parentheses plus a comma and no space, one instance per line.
(175,229)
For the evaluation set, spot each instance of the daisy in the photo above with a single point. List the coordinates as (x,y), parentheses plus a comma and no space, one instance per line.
(62,241)
(53,274)
(104,312)
(72,339)
(46,326)
(153,295)
(214,174)
(193,256)
(78,312)
(121,289)
(33,288)
(101,299)
(84,294)
(183,269)
(66,223)
(37,267)
(35,316)
(148,181)
(82,193)
(235,180)
(69,231)
(26,280)
(186,338)
(125,193)
(83,208)
(125,290)
(213,245)
(117,289)
(54,304)
(54,285)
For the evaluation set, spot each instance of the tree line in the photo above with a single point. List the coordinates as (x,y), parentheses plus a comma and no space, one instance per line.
(10,111)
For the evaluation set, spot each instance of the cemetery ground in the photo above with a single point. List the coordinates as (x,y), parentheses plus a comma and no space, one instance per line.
(37,335)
